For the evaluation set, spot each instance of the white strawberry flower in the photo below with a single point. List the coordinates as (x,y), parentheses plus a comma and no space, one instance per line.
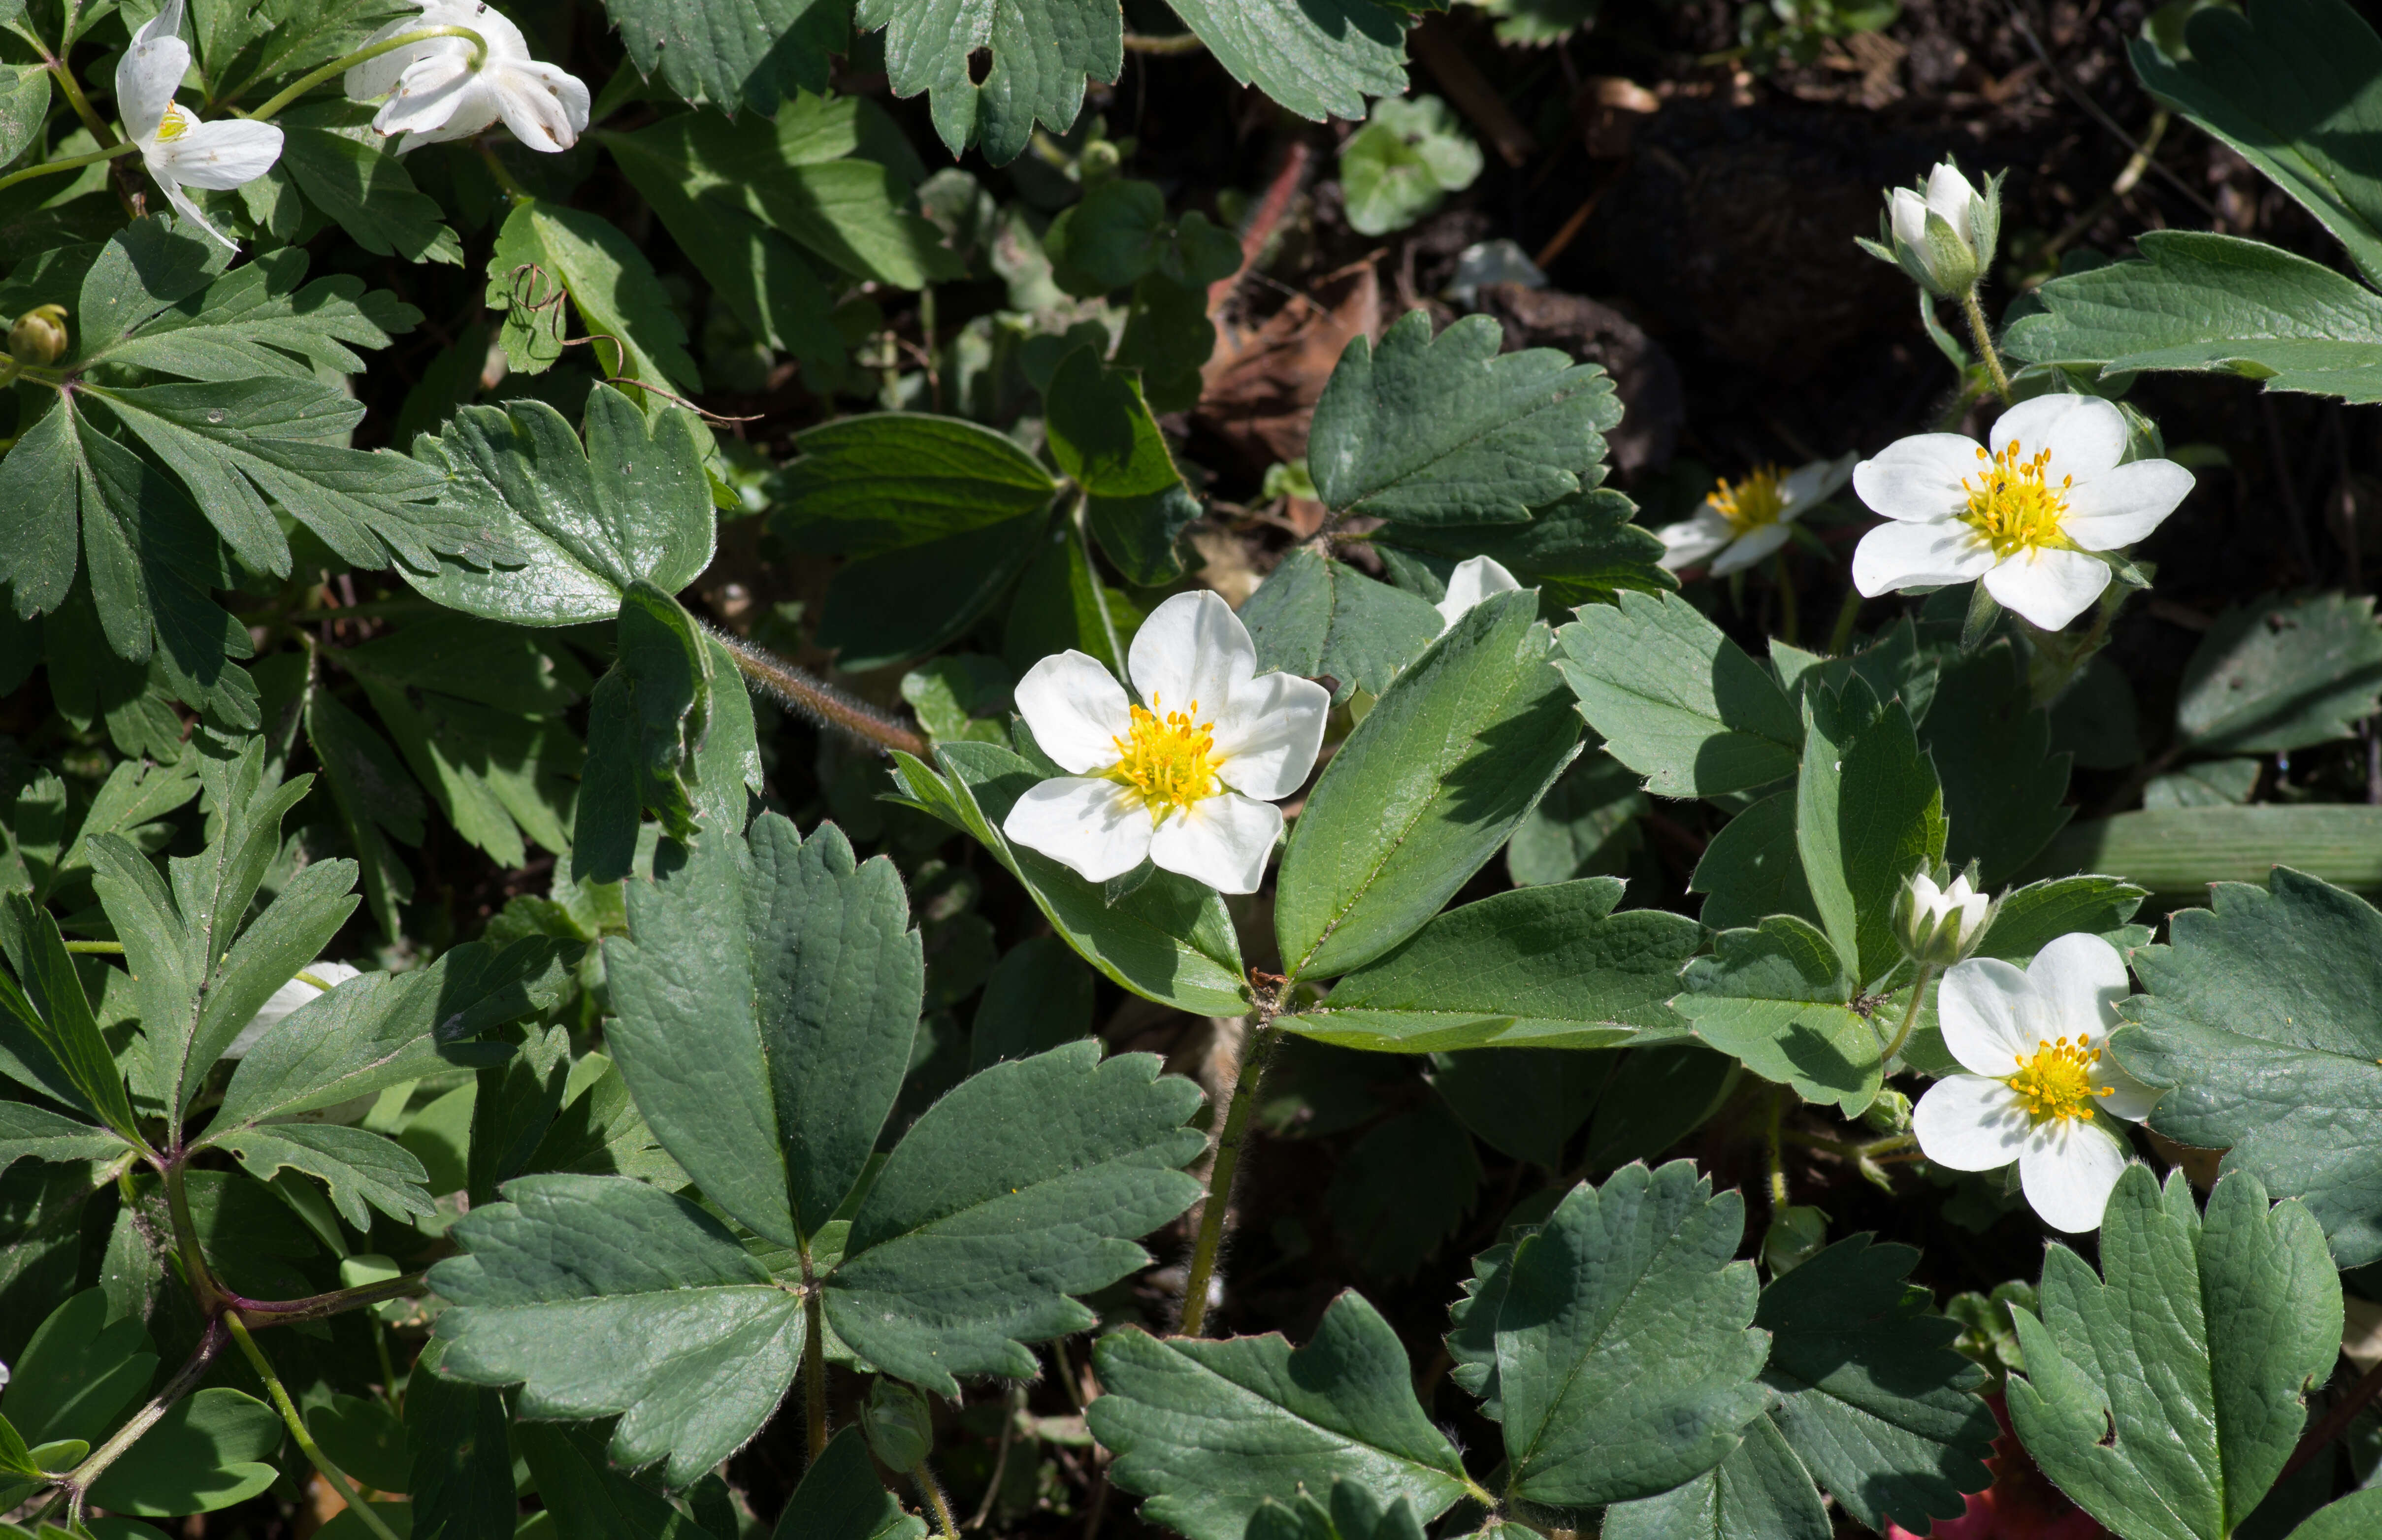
(178,150)
(1474,579)
(2025,517)
(2041,1089)
(1740,523)
(436,93)
(1187,781)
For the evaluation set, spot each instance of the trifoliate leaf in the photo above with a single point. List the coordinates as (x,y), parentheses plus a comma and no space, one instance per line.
(1426,789)
(602,1295)
(1409,156)
(1209,1431)
(1549,966)
(1626,1354)
(1352,1514)
(2030,918)
(587,522)
(1991,748)
(2263,1013)
(1026,1185)
(1586,826)
(1779,999)
(1138,534)
(2212,302)
(1447,430)
(547,256)
(1868,813)
(768,994)
(1760,1492)
(2165,1399)
(1870,1396)
(1318,58)
(742,54)
(2281,675)
(1040,52)
(589,1498)
(1322,618)
(1677,701)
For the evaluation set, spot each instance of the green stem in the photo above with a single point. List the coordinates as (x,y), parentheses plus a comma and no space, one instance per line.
(341,66)
(1775,1143)
(211,1342)
(1848,614)
(947,1527)
(315,1307)
(297,1425)
(104,949)
(186,1241)
(1220,1174)
(1910,1015)
(52,167)
(1985,348)
(1092,575)
(1787,616)
(81,104)
(814,1360)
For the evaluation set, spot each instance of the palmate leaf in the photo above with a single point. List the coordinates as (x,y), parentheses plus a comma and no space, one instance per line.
(59,1035)
(2165,1396)
(356,179)
(1760,1492)
(31,1133)
(1209,1431)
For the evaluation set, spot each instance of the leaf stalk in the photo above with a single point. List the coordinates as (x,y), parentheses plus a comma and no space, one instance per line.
(297,1425)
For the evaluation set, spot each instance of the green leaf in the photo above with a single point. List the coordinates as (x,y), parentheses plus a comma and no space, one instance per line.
(841,1498)
(1991,748)
(1106,238)
(1039,50)
(1447,430)
(1626,1355)
(146,267)
(2026,921)
(2281,675)
(588,1498)
(1102,432)
(1409,156)
(1870,1395)
(2262,1013)
(646,723)
(1779,999)
(366,190)
(1038,996)
(701,1342)
(1424,791)
(1138,534)
(1575,550)
(31,1133)
(745,54)
(767,997)
(51,1005)
(1209,1431)
(1586,826)
(1548,968)
(201,1454)
(1403,1189)
(2354,1515)
(904,603)
(2165,1399)
(257,319)
(377,802)
(1318,58)
(358,1167)
(1526,1103)
(1868,813)
(1751,868)
(546,251)
(1025,1185)
(1170,940)
(1675,700)
(462,1479)
(2293,89)
(2209,783)
(364,1438)
(79,1373)
(1354,1514)
(1322,618)
(1760,1492)
(496,776)
(24,103)
(2213,304)
(633,504)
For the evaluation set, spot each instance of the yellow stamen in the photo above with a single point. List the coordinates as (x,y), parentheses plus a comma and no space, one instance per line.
(174,125)
(1751,503)
(2012,506)
(1167,761)
(2056,1081)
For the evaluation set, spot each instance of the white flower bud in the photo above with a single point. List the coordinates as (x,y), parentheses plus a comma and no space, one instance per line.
(1943,235)
(1939,925)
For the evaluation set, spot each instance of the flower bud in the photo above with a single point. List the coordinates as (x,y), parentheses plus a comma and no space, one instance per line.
(901,1427)
(1890,1114)
(1943,235)
(1796,1235)
(39,335)
(1939,926)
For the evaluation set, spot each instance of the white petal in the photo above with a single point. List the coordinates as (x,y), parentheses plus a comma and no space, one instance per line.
(1098,827)
(1989,1014)
(475,108)
(1474,579)
(2120,507)
(533,107)
(1929,897)
(377,77)
(2080,978)
(1192,648)
(1970,1123)
(1908,211)
(431,94)
(2049,588)
(2128,1098)
(1754,545)
(506,44)
(1688,542)
(222,154)
(2068,1171)
(1222,841)
(286,999)
(188,210)
(1815,483)
(1949,194)
(1269,733)
(150,72)
(1076,711)
(2085,435)
(1905,556)
(1919,478)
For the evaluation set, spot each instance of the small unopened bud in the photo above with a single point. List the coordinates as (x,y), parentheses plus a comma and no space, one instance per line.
(1943,235)
(1939,926)
(39,335)
(899,1425)
(1796,1235)
(1890,1114)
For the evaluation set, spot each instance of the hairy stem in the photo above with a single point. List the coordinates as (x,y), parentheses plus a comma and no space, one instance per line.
(261,1313)
(1984,333)
(1775,1146)
(186,1379)
(1172,42)
(816,699)
(814,1358)
(1226,1165)
(946,1527)
(211,1297)
(50,168)
(305,83)
(1910,1014)
(297,1425)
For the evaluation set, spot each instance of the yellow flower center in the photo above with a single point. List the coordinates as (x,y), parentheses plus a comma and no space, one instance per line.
(2056,1081)
(1167,761)
(2012,506)
(1751,503)
(174,125)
